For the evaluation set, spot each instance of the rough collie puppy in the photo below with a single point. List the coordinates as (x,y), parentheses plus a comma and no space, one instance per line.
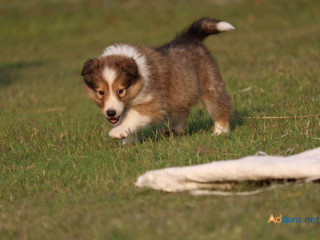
(137,86)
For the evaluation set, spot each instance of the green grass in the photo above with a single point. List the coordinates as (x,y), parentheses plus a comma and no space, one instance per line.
(61,177)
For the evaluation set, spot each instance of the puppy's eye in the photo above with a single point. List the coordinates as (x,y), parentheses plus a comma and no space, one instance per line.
(100,94)
(121,92)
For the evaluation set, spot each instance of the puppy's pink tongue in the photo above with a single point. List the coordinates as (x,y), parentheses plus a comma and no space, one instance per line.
(113,120)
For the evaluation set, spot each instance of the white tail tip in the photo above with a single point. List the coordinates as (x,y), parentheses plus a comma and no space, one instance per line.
(224,26)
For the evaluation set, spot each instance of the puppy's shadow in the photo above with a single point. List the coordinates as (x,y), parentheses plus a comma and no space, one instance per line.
(238,118)
(198,120)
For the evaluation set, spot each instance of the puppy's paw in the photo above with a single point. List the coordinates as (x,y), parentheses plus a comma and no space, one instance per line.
(118,133)
(221,127)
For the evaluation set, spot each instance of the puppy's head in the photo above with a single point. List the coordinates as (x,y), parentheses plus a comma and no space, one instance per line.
(112,82)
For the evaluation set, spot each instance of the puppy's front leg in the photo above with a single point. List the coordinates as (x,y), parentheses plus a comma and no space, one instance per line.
(130,124)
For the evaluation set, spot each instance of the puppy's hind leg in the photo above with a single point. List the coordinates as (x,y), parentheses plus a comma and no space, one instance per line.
(218,105)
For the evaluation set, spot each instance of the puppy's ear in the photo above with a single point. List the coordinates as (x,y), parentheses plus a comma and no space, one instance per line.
(130,67)
(90,66)
(89,89)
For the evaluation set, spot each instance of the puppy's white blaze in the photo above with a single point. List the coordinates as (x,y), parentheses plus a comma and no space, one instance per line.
(219,128)
(131,52)
(112,102)
(224,26)
(109,75)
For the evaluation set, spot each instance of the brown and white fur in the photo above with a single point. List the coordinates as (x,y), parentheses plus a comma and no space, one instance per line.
(137,86)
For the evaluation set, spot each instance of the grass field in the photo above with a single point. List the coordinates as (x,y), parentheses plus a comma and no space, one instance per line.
(61,177)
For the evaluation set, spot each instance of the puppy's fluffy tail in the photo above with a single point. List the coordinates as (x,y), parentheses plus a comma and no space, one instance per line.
(202,28)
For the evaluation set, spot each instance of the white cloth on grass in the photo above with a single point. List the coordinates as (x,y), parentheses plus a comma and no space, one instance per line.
(302,166)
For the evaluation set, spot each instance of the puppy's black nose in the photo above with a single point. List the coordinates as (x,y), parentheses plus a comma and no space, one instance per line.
(111,113)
